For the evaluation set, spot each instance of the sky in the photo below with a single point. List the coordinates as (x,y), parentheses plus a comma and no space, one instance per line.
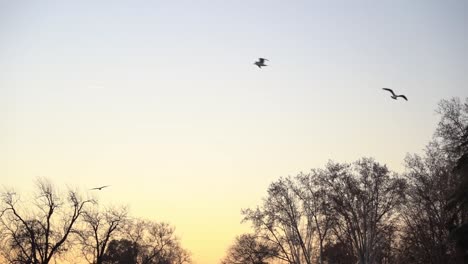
(161,100)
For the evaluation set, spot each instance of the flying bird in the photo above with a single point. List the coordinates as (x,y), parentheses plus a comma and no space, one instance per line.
(261,62)
(394,96)
(100,188)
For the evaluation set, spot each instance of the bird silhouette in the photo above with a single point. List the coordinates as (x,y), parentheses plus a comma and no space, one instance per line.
(261,62)
(100,188)
(394,96)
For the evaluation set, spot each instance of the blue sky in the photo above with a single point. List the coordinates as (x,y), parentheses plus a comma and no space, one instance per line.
(161,98)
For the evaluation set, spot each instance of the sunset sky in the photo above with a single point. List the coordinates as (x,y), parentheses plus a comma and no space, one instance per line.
(161,100)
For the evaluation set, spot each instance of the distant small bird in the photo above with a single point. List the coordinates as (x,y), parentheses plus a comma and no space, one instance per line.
(261,62)
(394,96)
(100,188)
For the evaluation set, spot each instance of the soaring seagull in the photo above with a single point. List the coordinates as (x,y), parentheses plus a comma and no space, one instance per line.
(394,96)
(261,62)
(100,188)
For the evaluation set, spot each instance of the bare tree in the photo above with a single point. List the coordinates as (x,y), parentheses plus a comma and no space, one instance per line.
(425,237)
(337,252)
(156,243)
(122,251)
(451,129)
(98,229)
(365,198)
(317,207)
(458,203)
(452,132)
(248,249)
(36,234)
(438,182)
(283,223)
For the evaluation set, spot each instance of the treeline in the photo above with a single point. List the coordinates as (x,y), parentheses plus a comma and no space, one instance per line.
(363,213)
(56,225)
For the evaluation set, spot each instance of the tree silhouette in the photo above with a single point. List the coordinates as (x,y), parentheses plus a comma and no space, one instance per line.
(156,243)
(98,229)
(36,234)
(312,192)
(338,253)
(121,251)
(452,133)
(425,238)
(458,202)
(284,223)
(248,249)
(435,209)
(365,198)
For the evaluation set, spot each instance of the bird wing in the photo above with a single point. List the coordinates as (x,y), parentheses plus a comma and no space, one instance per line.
(402,96)
(99,188)
(388,89)
(262,60)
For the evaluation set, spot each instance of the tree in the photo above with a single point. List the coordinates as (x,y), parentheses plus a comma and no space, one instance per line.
(316,205)
(121,251)
(356,203)
(156,243)
(452,132)
(98,229)
(365,198)
(247,249)
(21,242)
(451,129)
(435,206)
(283,223)
(36,234)
(338,253)
(458,202)
(425,236)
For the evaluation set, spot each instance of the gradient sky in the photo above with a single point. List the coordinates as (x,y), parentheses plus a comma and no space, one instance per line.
(161,100)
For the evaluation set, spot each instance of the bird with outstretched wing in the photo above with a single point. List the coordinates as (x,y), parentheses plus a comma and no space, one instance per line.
(395,96)
(100,188)
(261,62)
